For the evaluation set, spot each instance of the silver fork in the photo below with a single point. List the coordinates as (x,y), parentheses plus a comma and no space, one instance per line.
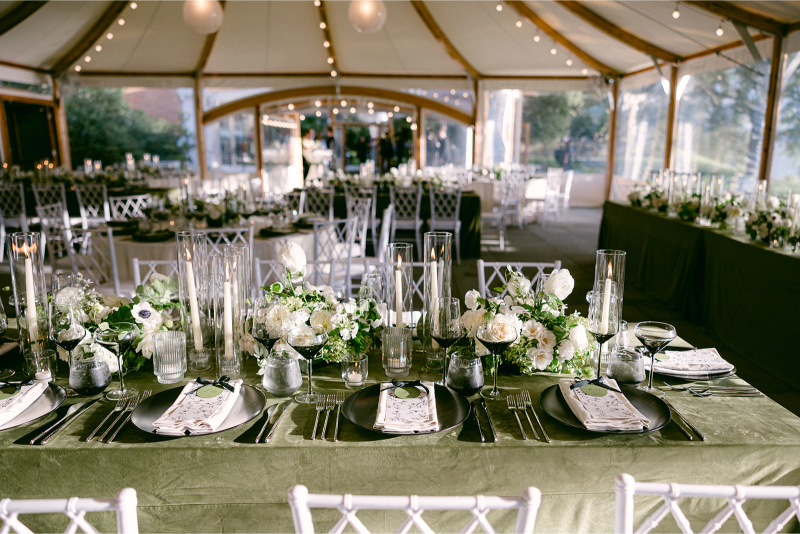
(339,401)
(129,410)
(118,408)
(521,406)
(526,396)
(132,402)
(320,409)
(330,402)
(512,406)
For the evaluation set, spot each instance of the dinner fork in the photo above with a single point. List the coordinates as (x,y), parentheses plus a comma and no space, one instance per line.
(129,410)
(512,407)
(131,402)
(339,401)
(330,402)
(705,393)
(121,402)
(320,408)
(526,396)
(521,406)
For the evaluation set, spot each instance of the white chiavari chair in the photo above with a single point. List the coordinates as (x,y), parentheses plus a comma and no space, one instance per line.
(462,178)
(477,509)
(55,230)
(151,267)
(626,488)
(446,212)
(129,207)
(294,199)
(319,200)
(93,204)
(334,242)
(47,194)
(92,254)
(499,216)
(371,193)
(492,274)
(216,238)
(124,504)
(361,209)
(513,185)
(12,209)
(566,189)
(268,272)
(552,196)
(407,202)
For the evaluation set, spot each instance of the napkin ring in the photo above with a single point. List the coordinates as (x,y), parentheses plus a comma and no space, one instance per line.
(399,384)
(220,382)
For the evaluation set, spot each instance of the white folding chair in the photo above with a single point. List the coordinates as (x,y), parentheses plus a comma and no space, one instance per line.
(294,199)
(130,207)
(626,488)
(491,274)
(216,238)
(46,194)
(92,254)
(361,209)
(499,215)
(552,196)
(268,272)
(407,202)
(93,203)
(56,231)
(165,267)
(463,178)
(319,200)
(301,502)
(514,187)
(371,193)
(12,210)
(566,189)
(334,242)
(445,213)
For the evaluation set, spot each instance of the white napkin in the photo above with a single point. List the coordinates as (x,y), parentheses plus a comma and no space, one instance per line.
(8,347)
(692,362)
(13,406)
(196,415)
(407,416)
(610,412)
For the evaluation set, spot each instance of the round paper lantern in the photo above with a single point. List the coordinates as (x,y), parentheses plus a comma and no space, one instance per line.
(367,16)
(204,16)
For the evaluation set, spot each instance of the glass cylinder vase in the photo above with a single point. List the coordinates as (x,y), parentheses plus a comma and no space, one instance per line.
(226,343)
(240,285)
(609,275)
(30,296)
(400,288)
(436,252)
(196,311)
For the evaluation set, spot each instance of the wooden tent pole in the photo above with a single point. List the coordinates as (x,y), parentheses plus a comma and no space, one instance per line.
(612,137)
(672,118)
(771,116)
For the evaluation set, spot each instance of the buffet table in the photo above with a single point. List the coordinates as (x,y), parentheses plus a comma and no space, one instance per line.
(738,288)
(226,483)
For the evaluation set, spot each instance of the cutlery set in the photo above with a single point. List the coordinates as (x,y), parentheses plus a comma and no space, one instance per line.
(326,403)
(284,407)
(522,402)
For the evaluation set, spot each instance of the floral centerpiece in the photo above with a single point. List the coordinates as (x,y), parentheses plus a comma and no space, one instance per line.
(649,199)
(689,209)
(150,309)
(350,323)
(728,208)
(769,222)
(549,340)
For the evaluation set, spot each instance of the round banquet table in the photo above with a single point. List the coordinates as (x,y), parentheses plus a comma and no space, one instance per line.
(263,248)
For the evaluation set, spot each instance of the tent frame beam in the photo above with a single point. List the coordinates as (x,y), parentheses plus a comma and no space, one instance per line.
(777,65)
(439,35)
(18,14)
(672,117)
(729,10)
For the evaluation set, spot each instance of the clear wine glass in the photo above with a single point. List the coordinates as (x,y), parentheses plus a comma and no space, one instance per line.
(67,329)
(59,281)
(264,332)
(446,328)
(118,339)
(603,321)
(308,341)
(497,347)
(654,336)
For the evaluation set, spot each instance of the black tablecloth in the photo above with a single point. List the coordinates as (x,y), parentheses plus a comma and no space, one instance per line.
(744,292)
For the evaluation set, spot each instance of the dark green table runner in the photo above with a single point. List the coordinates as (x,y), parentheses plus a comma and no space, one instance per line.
(743,291)
(226,483)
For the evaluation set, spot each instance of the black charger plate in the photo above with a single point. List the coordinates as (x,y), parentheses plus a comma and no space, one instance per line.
(361,409)
(553,403)
(48,402)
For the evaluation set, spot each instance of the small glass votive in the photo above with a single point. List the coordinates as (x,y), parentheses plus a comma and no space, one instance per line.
(169,356)
(355,370)
(41,365)
(622,340)
(626,366)
(396,351)
(282,375)
(465,374)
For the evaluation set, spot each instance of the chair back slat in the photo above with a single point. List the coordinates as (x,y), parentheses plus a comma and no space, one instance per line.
(294,199)
(333,246)
(361,209)
(92,254)
(406,201)
(151,267)
(49,194)
(445,204)
(216,238)
(319,200)
(129,207)
(496,273)
(93,204)
(12,205)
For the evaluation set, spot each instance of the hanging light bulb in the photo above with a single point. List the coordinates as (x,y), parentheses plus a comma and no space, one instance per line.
(413,126)
(333,74)
(367,16)
(322,25)
(554,50)
(330,61)
(318,103)
(569,62)
(519,24)
(98,48)
(720,31)
(677,13)
(317,3)
(134,5)
(409,119)
(396,109)
(499,7)
(77,68)
(585,72)
(344,103)
(466,95)
(302,117)
(291,107)
(326,44)
(537,37)
(109,36)
(204,16)
(352,110)
(335,111)
(319,114)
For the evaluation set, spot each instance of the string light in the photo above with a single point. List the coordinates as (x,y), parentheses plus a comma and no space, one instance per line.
(343,103)
(121,22)
(677,13)
(317,3)
(408,119)
(519,24)
(537,37)
(499,7)
(371,111)
(318,103)
(322,26)
(466,95)
(413,126)
(352,110)
(326,44)
(370,105)
(396,109)
(333,74)
(98,48)
(720,31)
(435,95)
(457,102)
(302,117)
(452,91)
(585,72)
(319,114)
(291,107)
(335,111)
(77,68)
(87,59)
(390,114)
(553,51)
(330,61)
(134,5)
(109,36)
(569,62)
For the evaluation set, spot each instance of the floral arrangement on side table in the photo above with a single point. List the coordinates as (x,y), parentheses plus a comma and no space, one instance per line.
(768,223)
(548,339)
(647,199)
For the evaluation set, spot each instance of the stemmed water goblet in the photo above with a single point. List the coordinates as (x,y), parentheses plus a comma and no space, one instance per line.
(603,321)
(67,329)
(118,339)
(654,336)
(496,340)
(308,341)
(446,328)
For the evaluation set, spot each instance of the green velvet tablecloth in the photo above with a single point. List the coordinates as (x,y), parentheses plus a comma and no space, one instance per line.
(742,290)
(226,483)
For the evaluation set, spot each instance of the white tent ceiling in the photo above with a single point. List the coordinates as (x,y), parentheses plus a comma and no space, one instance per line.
(279,43)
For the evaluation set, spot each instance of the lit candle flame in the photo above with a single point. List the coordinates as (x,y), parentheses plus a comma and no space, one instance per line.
(609,270)
(399,261)
(25,249)
(433,255)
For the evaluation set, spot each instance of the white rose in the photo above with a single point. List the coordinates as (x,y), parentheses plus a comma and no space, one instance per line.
(324,291)
(578,337)
(69,295)
(560,283)
(293,257)
(147,344)
(247,343)
(540,357)
(531,328)
(519,286)
(322,318)
(471,320)
(300,317)
(547,309)
(471,299)
(774,202)
(546,339)
(501,328)
(113,301)
(304,335)
(566,350)
(98,313)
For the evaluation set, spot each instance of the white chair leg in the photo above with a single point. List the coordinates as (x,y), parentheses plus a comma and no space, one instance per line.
(458,246)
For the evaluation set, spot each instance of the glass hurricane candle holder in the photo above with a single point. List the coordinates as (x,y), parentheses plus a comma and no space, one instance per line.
(396,345)
(400,278)
(436,253)
(30,295)
(193,293)
(609,276)
(226,343)
(240,276)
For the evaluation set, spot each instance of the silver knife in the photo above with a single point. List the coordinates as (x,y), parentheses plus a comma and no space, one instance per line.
(77,414)
(72,409)
(478,421)
(278,421)
(489,418)
(682,418)
(270,411)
